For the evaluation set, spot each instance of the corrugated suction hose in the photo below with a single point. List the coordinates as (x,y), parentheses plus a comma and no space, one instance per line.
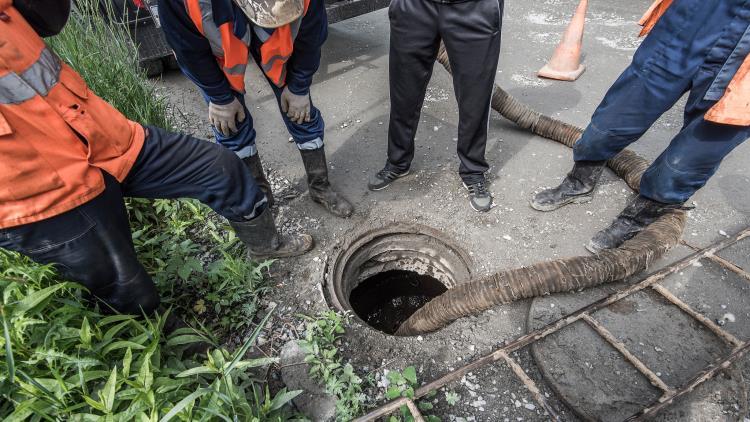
(563,275)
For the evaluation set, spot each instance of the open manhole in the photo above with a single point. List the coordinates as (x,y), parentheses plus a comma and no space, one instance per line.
(384,275)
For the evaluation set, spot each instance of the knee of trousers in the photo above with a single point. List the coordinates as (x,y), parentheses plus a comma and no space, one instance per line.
(234,194)
(597,145)
(668,185)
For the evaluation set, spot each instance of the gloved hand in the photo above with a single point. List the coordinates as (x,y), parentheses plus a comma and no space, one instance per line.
(225,117)
(296,107)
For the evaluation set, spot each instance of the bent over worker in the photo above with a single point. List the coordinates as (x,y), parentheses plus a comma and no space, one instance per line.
(696,46)
(67,159)
(213,41)
(470,30)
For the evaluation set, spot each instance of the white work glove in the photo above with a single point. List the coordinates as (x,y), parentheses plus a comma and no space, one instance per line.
(225,117)
(296,107)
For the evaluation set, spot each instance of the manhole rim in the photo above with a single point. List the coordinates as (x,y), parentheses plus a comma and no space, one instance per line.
(355,239)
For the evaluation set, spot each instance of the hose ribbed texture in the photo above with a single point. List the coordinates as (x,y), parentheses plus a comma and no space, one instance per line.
(564,275)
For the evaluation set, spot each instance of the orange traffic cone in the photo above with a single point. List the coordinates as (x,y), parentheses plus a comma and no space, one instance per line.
(565,64)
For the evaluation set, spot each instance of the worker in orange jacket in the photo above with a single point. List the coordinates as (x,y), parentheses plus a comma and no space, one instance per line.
(214,40)
(67,159)
(696,46)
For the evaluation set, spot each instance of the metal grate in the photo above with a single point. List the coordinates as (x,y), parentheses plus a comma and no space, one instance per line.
(669,393)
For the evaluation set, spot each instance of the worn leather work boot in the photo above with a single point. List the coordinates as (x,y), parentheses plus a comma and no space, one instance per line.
(256,168)
(578,187)
(639,213)
(320,188)
(263,240)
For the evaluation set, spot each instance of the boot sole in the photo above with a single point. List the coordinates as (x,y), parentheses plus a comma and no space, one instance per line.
(322,205)
(593,248)
(289,254)
(583,199)
(480,209)
(408,172)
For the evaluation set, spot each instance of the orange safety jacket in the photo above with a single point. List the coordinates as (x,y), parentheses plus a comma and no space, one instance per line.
(46,111)
(734,107)
(232,53)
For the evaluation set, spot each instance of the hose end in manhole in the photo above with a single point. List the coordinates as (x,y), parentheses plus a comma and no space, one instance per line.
(384,275)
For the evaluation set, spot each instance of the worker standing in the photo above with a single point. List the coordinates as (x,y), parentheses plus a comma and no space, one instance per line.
(696,46)
(213,41)
(67,159)
(470,30)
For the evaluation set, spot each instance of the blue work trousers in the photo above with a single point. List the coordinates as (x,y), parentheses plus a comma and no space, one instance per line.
(92,243)
(684,53)
(307,136)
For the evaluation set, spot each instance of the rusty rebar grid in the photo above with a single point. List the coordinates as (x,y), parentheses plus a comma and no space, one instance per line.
(585,314)
(628,355)
(722,262)
(414,411)
(703,376)
(531,386)
(714,327)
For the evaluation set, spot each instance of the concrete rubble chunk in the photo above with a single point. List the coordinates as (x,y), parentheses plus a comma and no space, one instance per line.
(314,402)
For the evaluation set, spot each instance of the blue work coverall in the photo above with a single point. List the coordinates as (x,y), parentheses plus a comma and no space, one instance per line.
(197,61)
(696,47)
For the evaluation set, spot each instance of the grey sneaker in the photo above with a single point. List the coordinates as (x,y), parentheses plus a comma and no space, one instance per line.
(479,196)
(384,178)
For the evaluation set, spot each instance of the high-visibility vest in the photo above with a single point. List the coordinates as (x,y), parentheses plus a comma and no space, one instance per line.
(734,107)
(232,52)
(46,114)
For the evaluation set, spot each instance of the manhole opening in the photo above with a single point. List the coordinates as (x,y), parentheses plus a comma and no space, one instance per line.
(385,275)
(385,300)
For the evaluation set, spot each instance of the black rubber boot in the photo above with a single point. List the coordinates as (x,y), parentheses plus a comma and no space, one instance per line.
(639,213)
(256,168)
(263,241)
(320,188)
(174,323)
(578,187)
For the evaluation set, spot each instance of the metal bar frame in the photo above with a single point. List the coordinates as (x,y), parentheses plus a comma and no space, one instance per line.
(740,348)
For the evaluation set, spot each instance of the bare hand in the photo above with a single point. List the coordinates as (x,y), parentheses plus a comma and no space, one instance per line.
(296,107)
(225,117)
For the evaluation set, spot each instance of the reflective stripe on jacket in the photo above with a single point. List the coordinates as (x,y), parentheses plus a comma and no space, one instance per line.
(733,107)
(232,52)
(46,113)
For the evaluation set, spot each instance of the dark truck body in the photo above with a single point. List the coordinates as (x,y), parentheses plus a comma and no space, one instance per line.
(155,56)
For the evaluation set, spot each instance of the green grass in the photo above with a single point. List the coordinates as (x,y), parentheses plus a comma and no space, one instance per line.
(321,346)
(64,360)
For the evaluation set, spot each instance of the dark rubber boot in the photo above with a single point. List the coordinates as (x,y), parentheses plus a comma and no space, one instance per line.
(577,188)
(256,168)
(263,241)
(639,213)
(174,323)
(320,188)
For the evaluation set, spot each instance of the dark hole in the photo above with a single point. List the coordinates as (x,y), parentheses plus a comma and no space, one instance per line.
(385,300)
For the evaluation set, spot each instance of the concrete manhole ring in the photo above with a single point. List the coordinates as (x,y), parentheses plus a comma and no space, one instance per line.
(399,266)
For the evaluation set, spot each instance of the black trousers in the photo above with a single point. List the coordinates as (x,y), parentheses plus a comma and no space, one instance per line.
(92,244)
(471,33)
